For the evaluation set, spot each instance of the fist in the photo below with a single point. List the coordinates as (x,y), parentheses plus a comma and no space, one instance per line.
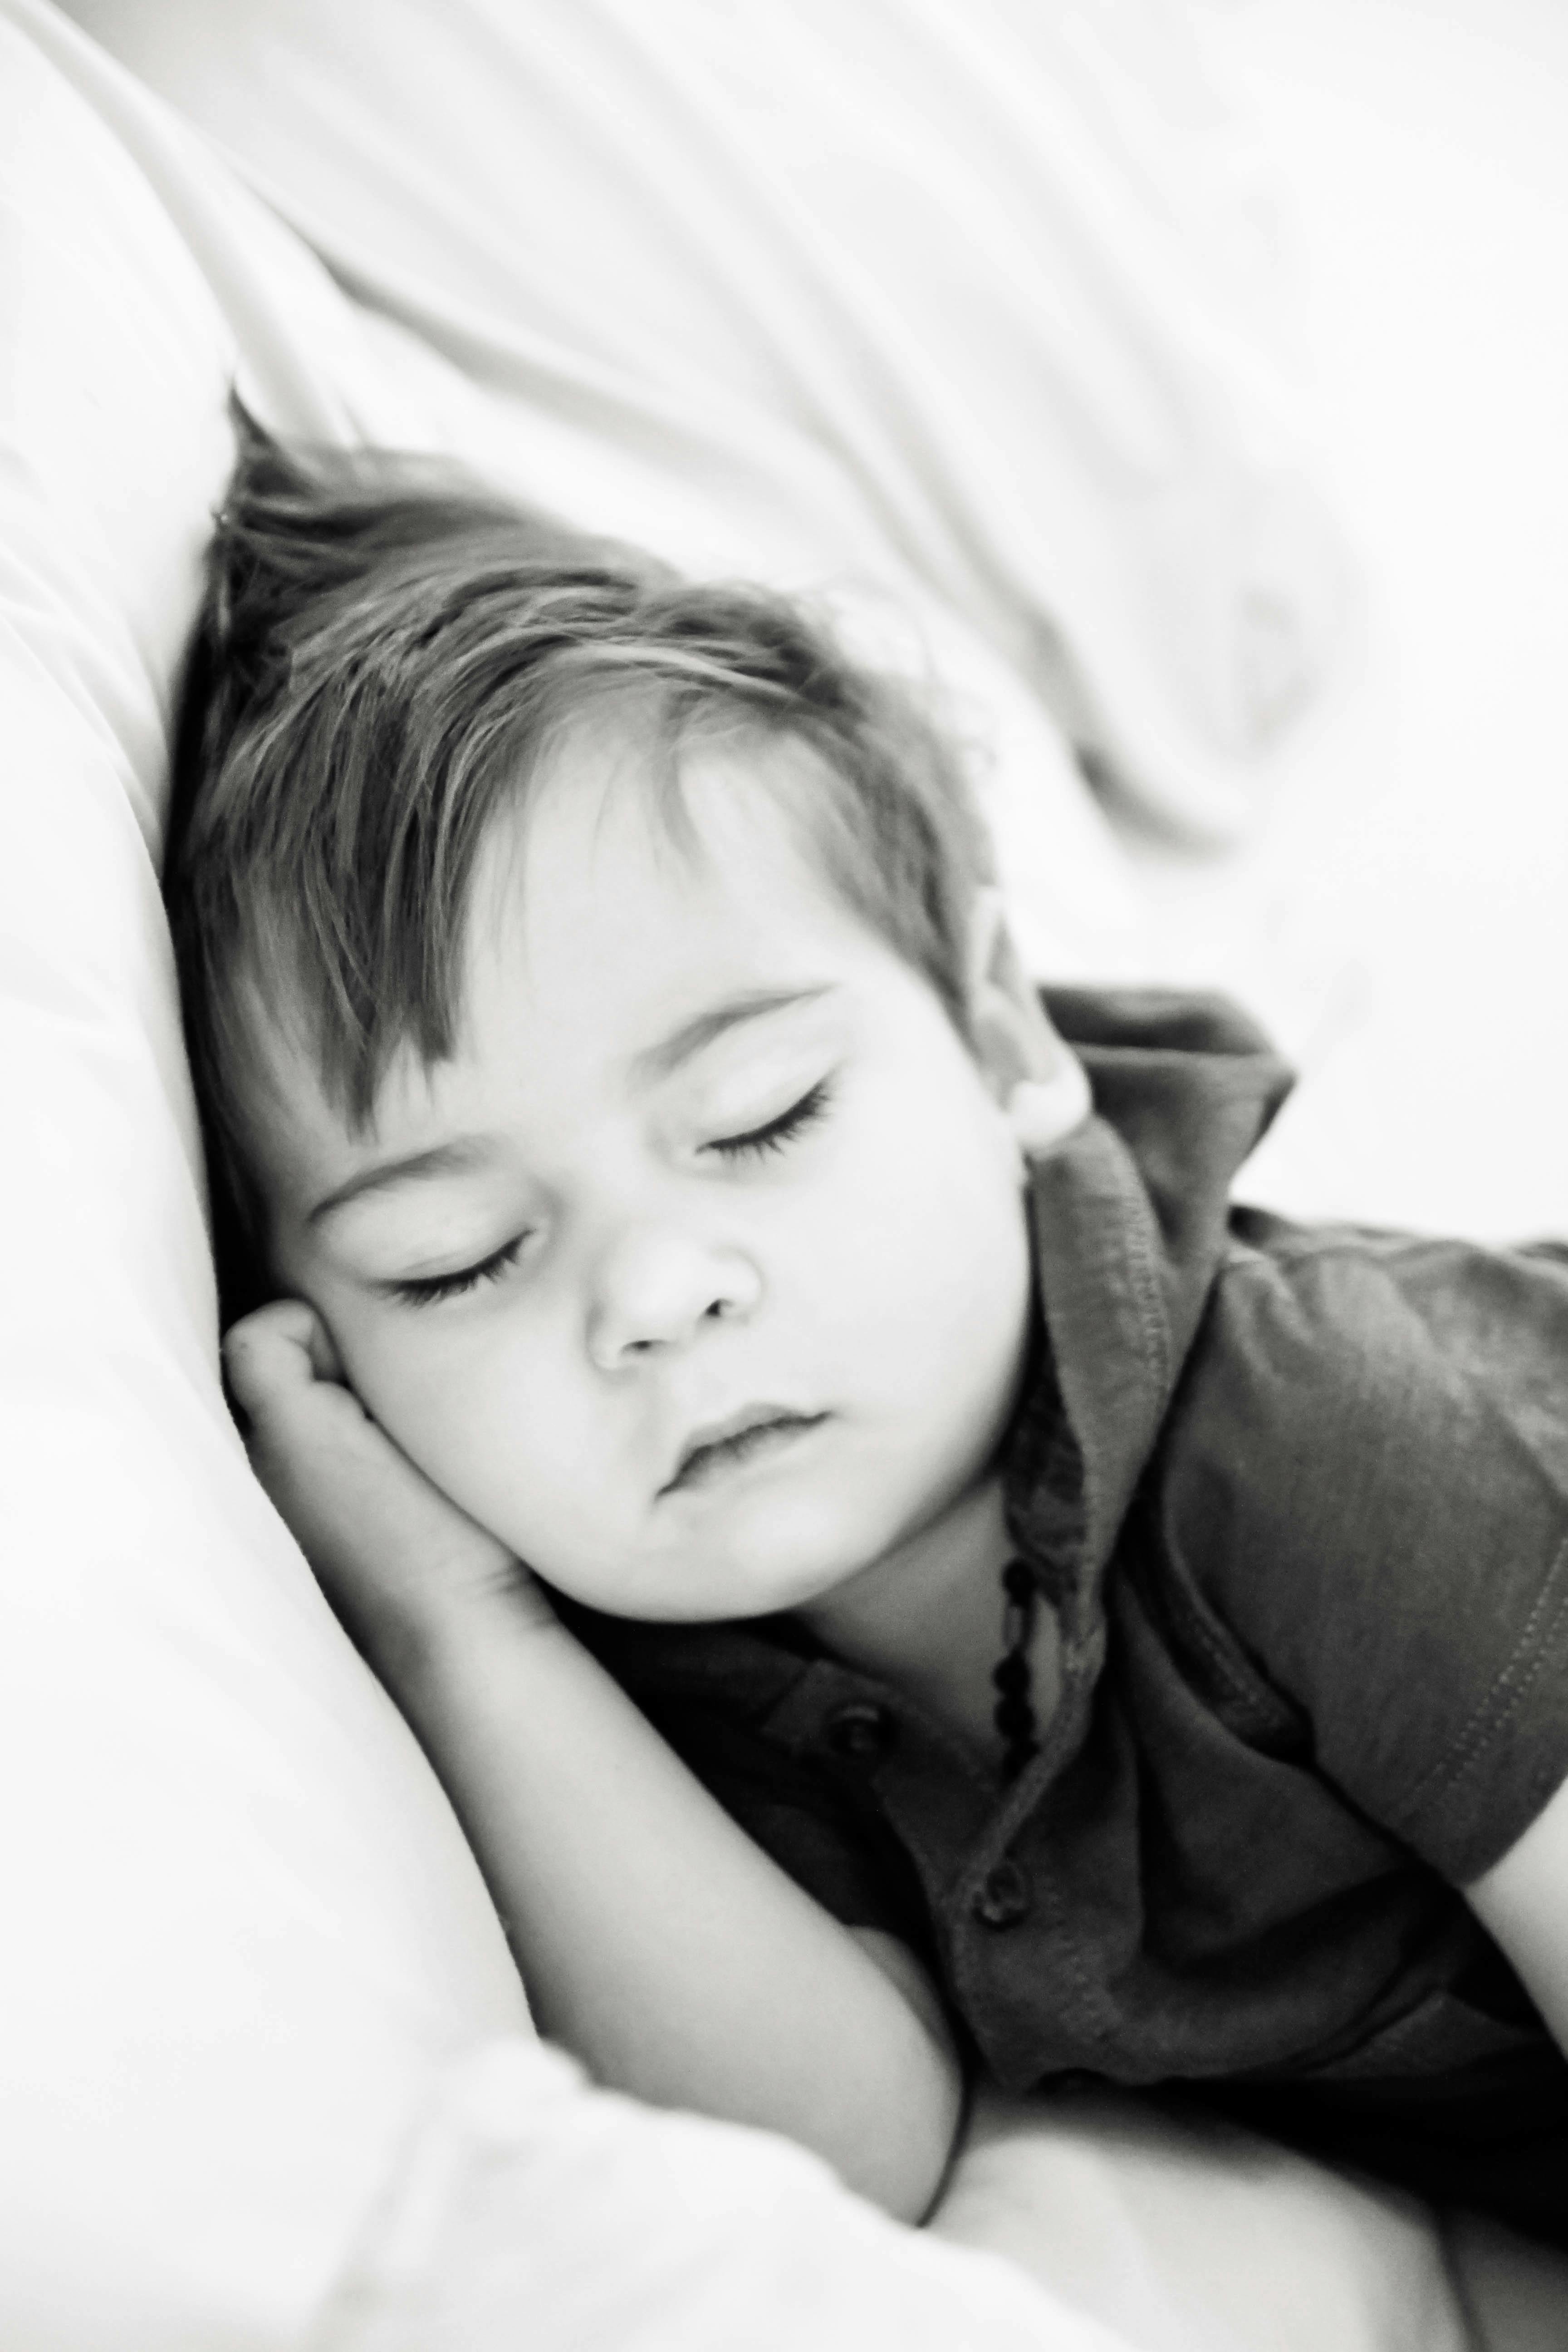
(394,1557)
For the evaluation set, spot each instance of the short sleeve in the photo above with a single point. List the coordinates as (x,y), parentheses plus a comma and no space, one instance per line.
(1365,1475)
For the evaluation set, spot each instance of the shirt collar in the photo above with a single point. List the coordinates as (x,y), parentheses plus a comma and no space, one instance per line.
(1130,1220)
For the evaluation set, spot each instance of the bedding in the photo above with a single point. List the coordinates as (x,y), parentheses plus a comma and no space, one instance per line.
(249,1961)
(1000,339)
(241,1925)
(502,2206)
(1178,2238)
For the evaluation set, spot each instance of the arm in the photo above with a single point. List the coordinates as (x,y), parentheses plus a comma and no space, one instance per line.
(656,1939)
(1516,2290)
(1522,1903)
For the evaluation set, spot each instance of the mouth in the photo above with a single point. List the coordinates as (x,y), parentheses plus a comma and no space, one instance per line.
(757,1431)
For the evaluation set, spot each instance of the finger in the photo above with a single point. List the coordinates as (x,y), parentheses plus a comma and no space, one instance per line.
(324,1357)
(278,1350)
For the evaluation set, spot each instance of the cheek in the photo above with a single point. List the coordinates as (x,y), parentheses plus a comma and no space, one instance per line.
(929,1229)
(933,1305)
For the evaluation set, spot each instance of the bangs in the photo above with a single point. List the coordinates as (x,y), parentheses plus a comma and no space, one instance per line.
(385,662)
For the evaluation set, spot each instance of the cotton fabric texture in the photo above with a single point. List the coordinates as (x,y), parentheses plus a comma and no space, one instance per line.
(1300,1497)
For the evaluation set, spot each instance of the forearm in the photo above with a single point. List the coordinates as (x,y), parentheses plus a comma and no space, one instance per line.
(656,1939)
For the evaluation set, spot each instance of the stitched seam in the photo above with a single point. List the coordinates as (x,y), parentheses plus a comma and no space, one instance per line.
(1141,1261)
(1505,1697)
(1305,1249)
(1245,1686)
(1243,1682)
(1194,1622)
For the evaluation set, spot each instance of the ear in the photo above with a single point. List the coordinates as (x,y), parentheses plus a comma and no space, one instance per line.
(1033,1075)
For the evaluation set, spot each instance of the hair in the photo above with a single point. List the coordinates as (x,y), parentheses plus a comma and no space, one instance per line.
(386,655)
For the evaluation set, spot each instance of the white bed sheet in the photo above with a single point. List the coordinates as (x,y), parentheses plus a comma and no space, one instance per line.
(1399,914)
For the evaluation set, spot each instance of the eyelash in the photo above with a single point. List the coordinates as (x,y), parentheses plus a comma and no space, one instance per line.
(761,1143)
(430,1292)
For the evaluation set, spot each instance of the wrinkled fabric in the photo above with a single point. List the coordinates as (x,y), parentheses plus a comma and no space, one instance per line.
(1300,1499)
(495,2233)
(973,289)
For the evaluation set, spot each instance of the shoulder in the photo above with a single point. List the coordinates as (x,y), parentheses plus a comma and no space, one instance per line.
(1365,1474)
(1385,1357)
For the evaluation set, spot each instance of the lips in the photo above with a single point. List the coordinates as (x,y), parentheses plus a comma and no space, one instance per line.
(725,1444)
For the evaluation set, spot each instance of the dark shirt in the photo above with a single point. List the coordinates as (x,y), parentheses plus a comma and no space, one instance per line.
(1300,1499)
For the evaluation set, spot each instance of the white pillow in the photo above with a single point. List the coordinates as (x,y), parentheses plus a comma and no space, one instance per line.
(242,1928)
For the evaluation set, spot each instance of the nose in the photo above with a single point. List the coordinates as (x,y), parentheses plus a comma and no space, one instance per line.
(655,1288)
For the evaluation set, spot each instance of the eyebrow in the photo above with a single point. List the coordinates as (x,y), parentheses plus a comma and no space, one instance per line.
(657,1061)
(683,1044)
(441,1160)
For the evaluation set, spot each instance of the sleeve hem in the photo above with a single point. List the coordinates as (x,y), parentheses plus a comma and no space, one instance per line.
(1460,1827)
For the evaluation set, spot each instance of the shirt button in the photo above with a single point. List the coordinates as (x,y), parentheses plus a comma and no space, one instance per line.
(860,1731)
(1004,1898)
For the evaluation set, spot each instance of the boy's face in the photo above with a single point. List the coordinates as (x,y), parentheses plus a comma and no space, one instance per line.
(699,1275)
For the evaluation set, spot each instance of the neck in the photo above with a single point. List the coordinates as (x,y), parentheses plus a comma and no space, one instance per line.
(927,1618)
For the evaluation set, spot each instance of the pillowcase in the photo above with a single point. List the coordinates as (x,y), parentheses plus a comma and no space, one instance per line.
(978,297)
(242,1927)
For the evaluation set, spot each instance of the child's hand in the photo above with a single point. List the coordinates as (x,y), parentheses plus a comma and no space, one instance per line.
(397,1559)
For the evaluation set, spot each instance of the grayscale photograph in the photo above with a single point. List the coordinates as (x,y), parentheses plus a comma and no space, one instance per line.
(783,1211)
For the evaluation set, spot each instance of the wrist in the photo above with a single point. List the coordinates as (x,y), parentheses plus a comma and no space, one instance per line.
(440,1628)
(478,1631)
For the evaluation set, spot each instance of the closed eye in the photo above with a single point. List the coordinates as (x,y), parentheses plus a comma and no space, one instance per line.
(760,1142)
(426,1290)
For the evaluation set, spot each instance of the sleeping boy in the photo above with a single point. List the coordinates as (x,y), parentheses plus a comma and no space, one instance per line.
(898,1579)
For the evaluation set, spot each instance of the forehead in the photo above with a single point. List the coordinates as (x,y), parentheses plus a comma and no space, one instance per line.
(615,892)
(600,922)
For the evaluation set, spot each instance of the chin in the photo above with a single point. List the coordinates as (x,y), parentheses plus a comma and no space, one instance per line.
(794,1565)
(763,1571)
(738,1592)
